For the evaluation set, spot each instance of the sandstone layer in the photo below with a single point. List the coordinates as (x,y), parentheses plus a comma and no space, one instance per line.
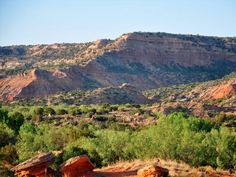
(144,60)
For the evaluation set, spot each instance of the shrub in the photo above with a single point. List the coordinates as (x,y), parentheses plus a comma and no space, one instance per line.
(177,136)
(49,111)
(111,145)
(114,107)
(226,148)
(61,111)
(45,138)
(38,111)
(37,114)
(72,152)
(3,115)
(6,135)
(87,109)
(101,118)
(74,111)
(186,138)
(8,153)
(16,119)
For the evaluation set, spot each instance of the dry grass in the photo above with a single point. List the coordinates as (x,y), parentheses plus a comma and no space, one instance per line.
(176,169)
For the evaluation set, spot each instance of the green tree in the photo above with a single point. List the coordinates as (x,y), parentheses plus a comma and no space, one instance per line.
(3,115)
(16,119)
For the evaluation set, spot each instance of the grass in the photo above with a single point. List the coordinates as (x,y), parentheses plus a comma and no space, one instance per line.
(175,168)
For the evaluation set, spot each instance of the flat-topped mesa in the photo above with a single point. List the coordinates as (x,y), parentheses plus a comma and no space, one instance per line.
(144,60)
(37,166)
(186,50)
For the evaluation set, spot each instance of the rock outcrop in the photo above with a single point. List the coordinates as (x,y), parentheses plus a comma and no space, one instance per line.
(37,166)
(12,86)
(153,171)
(201,100)
(81,166)
(40,83)
(222,90)
(77,166)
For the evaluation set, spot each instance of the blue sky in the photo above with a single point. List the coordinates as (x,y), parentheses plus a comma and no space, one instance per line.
(58,21)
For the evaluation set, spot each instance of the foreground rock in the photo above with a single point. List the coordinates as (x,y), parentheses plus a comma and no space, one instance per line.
(77,166)
(153,171)
(81,166)
(37,166)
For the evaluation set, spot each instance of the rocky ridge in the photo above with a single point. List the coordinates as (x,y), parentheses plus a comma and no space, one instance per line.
(144,60)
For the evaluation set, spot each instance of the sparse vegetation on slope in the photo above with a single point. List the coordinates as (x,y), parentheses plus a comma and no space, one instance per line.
(144,60)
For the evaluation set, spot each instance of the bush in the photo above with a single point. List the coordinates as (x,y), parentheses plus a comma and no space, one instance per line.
(74,111)
(13,120)
(88,146)
(72,152)
(16,119)
(111,145)
(225,148)
(61,111)
(37,114)
(38,111)
(49,111)
(8,153)
(6,135)
(87,109)
(45,138)
(3,115)
(104,109)
(101,118)
(7,149)
(114,107)
(177,136)
(187,139)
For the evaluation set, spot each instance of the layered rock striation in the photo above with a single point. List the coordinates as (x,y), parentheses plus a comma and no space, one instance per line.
(144,60)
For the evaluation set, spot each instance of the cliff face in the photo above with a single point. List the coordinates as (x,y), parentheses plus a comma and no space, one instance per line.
(144,60)
(10,87)
(148,60)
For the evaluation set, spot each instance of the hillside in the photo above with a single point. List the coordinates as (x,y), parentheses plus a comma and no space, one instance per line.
(144,60)
(206,99)
(203,99)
